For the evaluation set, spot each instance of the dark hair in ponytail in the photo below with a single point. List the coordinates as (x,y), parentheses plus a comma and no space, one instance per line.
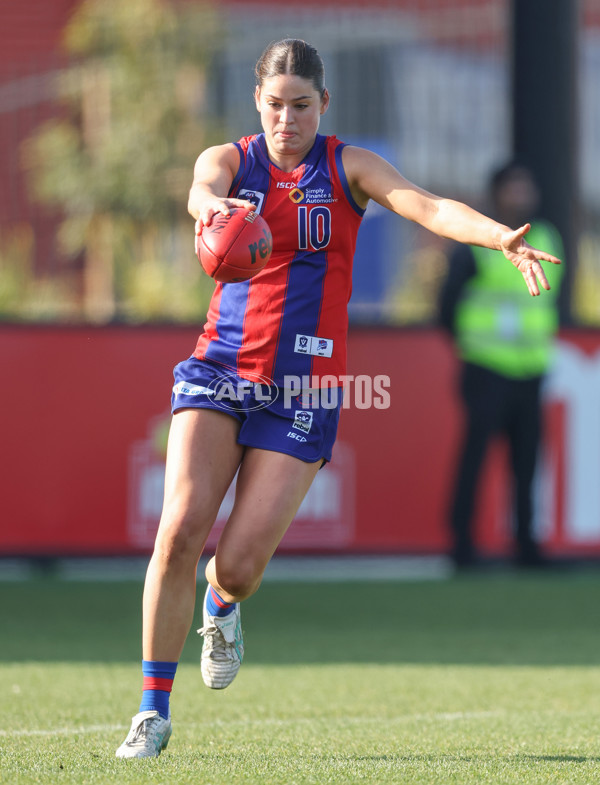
(291,56)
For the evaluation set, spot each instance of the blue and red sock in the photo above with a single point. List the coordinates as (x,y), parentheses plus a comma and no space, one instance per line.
(216,605)
(158,682)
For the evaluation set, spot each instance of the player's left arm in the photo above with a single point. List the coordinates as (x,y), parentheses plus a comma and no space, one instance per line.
(372,177)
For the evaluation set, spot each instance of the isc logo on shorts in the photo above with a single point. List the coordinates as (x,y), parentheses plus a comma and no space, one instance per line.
(303,421)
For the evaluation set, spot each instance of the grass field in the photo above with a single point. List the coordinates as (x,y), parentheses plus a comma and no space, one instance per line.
(476,679)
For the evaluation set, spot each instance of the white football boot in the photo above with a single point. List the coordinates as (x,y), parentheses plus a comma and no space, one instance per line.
(148,737)
(223,648)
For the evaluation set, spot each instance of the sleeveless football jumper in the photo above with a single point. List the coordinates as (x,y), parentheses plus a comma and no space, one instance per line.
(292,317)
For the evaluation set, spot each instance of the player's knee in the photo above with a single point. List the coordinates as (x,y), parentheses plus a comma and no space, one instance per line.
(180,538)
(239,580)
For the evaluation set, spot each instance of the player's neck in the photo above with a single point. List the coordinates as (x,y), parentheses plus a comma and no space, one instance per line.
(287,162)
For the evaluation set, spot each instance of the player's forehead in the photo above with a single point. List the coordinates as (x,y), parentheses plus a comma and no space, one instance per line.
(288,87)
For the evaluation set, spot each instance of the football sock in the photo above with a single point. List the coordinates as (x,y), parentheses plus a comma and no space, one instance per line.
(158,682)
(216,606)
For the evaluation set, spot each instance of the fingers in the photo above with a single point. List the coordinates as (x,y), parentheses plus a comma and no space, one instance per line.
(522,230)
(514,239)
(527,259)
(533,273)
(531,282)
(538,270)
(207,214)
(222,206)
(546,257)
(243,203)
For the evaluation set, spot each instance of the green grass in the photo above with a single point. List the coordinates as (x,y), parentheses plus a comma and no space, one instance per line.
(484,679)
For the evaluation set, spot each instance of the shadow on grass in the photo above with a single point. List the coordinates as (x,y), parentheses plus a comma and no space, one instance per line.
(473,758)
(502,619)
(562,758)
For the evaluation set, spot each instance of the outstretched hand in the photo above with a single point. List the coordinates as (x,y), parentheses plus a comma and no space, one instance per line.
(526,258)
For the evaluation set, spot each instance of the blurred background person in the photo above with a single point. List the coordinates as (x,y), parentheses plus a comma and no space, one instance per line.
(505,342)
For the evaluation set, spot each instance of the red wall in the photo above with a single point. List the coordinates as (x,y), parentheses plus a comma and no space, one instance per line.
(85,411)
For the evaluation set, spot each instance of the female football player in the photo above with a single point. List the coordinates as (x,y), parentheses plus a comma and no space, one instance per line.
(289,321)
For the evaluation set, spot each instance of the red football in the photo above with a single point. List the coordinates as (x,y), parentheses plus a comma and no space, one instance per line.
(234,247)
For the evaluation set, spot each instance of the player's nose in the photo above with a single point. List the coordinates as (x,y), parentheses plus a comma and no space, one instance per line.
(286,115)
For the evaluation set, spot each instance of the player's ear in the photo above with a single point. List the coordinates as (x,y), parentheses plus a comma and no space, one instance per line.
(324,101)
(257,97)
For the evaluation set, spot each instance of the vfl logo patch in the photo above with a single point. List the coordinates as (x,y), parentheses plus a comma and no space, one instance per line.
(310,344)
(256,197)
(303,421)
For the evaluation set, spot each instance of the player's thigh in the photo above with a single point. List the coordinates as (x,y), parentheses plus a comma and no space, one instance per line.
(202,458)
(270,489)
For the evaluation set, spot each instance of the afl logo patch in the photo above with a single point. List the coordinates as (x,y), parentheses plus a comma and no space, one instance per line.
(256,197)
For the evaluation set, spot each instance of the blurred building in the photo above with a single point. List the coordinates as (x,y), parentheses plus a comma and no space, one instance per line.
(424,82)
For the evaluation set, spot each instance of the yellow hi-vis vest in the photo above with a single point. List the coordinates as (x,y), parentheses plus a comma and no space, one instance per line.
(499,325)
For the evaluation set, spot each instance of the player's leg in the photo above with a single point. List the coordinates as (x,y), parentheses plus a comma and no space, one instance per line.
(202,458)
(269,491)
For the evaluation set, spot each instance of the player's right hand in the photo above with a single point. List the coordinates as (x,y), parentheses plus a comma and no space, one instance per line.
(218,204)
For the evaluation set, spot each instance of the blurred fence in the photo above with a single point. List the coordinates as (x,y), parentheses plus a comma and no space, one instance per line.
(93,485)
(424,82)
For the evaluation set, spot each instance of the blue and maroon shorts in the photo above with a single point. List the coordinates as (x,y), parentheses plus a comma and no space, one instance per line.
(297,422)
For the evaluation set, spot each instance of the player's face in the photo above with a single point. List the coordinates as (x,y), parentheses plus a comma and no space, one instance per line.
(290,110)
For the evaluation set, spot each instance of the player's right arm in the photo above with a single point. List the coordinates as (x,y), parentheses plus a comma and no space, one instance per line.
(214,172)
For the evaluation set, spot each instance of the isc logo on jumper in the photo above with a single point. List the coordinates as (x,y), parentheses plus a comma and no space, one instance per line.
(303,421)
(311,344)
(256,197)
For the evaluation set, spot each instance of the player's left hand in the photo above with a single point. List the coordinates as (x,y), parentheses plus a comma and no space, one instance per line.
(526,258)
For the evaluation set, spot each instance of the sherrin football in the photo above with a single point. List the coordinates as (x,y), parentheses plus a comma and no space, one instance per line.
(234,247)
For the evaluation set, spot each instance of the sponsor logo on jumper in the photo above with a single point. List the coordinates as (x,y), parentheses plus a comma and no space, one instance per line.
(256,197)
(296,195)
(311,344)
(303,421)
(318,196)
(309,195)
